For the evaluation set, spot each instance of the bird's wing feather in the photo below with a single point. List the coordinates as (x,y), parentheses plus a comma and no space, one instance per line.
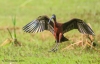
(77,24)
(39,25)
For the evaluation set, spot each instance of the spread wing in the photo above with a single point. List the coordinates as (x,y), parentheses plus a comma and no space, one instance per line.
(77,24)
(39,25)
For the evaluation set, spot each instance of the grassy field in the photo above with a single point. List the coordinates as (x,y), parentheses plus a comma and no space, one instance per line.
(35,47)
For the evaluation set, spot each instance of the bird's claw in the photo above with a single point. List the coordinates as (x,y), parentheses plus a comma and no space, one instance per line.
(53,50)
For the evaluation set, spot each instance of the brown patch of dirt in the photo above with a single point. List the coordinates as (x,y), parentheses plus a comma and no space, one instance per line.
(10,28)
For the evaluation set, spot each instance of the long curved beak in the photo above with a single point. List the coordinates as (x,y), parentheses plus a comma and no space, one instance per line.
(50,19)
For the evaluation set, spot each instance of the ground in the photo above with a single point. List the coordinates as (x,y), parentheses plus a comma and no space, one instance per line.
(35,47)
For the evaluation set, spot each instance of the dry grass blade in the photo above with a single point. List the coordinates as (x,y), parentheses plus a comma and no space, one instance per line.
(6,42)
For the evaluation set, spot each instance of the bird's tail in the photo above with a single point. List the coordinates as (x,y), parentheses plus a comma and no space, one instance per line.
(64,39)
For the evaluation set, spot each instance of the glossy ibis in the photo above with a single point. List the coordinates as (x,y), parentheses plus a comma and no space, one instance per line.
(57,29)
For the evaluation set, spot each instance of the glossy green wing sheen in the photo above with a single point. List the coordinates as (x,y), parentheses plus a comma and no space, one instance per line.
(77,24)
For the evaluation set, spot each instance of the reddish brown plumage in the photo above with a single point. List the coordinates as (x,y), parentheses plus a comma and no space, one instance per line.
(57,29)
(58,32)
(61,28)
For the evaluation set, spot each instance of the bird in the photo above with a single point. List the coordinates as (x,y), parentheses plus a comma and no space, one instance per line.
(43,22)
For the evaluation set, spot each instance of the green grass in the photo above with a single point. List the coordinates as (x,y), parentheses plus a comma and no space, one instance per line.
(35,47)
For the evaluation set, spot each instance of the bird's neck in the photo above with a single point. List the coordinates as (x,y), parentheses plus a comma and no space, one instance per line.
(55,23)
(55,20)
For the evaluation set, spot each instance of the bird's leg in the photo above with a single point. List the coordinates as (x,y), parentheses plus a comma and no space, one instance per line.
(60,36)
(55,48)
(56,45)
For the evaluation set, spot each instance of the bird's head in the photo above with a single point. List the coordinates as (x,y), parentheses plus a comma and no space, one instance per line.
(53,17)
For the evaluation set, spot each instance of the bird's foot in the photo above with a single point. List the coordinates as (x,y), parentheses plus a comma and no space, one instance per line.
(53,50)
